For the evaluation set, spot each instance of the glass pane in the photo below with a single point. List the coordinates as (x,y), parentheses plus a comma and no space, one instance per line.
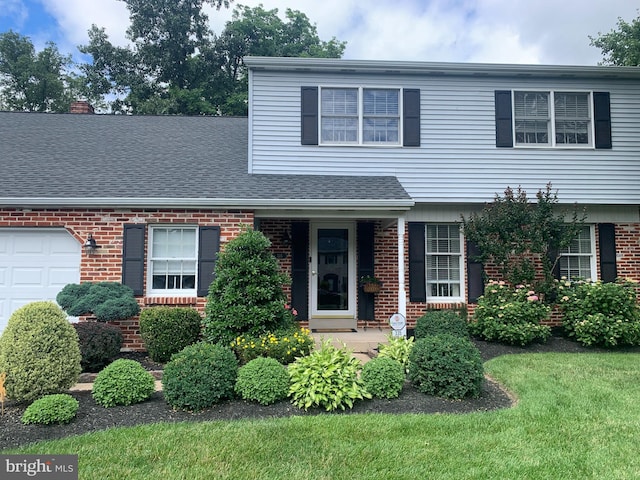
(380,102)
(333,269)
(339,130)
(380,130)
(339,101)
(532,104)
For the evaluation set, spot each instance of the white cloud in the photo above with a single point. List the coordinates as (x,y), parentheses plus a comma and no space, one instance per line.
(13,9)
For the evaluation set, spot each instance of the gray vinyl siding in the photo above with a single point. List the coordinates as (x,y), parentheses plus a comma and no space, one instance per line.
(458,160)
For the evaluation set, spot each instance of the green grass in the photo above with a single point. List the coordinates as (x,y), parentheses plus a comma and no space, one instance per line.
(578,416)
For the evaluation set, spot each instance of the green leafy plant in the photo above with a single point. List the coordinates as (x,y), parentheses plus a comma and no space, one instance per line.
(50,409)
(397,348)
(434,322)
(597,313)
(199,376)
(100,343)
(284,346)
(106,301)
(167,330)
(123,382)
(246,296)
(383,377)
(446,366)
(264,380)
(39,351)
(326,378)
(510,315)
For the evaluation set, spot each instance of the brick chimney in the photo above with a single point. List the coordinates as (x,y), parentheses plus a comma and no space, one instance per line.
(81,106)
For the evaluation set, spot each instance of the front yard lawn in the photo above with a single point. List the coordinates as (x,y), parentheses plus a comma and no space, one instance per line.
(578,416)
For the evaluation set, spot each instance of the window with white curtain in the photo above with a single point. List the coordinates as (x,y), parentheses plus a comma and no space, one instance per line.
(360,116)
(173,260)
(444,261)
(577,261)
(553,118)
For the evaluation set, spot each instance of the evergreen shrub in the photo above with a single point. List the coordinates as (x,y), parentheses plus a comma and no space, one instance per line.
(446,366)
(263,380)
(199,376)
(39,351)
(123,382)
(50,409)
(100,343)
(167,330)
(434,322)
(107,301)
(383,377)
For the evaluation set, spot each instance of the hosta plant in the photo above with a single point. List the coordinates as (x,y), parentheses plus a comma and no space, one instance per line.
(397,348)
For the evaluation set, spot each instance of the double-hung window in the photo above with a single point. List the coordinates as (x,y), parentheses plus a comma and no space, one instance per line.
(553,118)
(355,116)
(173,260)
(577,260)
(444,261)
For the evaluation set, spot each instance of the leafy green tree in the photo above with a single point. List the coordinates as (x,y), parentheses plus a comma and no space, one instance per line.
(34,81)
(621,46)
(519,236)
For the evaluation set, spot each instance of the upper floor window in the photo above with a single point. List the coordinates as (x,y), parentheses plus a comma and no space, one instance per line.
(577,261)
(173,260)
(360,116)
(553,118)
(444,261)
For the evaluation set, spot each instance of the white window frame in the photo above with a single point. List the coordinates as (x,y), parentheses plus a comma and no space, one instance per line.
(551,130)
(174,292)
(591,256)
(361,116)
(461,266)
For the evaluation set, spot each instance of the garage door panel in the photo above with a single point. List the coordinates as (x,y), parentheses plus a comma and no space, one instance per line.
(62,276)
(27,277)
(30,245)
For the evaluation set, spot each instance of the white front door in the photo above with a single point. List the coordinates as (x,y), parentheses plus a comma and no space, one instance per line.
(333,283)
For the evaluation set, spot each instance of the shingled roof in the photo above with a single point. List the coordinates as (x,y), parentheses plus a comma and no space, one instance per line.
(154,161)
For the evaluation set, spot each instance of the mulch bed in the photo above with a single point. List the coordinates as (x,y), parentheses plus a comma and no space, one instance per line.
(92,417)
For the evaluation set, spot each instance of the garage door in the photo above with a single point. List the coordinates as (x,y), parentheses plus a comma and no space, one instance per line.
(34,265)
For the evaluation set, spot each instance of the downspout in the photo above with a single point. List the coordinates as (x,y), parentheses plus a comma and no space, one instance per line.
(402,292)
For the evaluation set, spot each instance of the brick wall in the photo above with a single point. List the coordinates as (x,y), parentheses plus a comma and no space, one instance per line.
(106,226)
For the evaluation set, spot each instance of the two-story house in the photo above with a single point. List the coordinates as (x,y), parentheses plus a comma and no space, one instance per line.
(351,168)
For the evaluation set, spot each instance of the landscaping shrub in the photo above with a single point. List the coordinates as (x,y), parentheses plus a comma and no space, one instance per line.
(283,346)
(56,408)
(123,382)
(434,322)
(246,295)
(264,380)
(39,351)
(602,314)
(383,377)
(446,366)
(100,343)
(397,348)
(199,376)
(167,330)
(327,378)
(106,301)
(510,315)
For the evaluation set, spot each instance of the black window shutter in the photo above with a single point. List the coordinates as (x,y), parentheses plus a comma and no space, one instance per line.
(607,240)
(602,119)
(417,263)
(309,115)
(411,117)
(475,273)
(133,243)
(504,131)
(208,248)
(300,268)
(366,255)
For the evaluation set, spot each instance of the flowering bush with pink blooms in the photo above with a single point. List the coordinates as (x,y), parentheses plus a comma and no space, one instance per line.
(510,315)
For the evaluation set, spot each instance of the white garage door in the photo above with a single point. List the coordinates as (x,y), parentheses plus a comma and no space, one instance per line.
(34,265)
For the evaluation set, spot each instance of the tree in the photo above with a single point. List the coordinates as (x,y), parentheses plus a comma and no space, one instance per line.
(518,236)
(34,81)
(621,46)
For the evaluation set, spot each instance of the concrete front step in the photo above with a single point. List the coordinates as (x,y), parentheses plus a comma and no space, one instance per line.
(361,341)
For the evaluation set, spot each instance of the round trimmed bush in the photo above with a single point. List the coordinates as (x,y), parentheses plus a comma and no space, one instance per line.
(264,380)
(167,330)
(446,366)
(39,351)
(123,382)
(435,322)
(100,343)
(50,409)
(383,377)
(199,376)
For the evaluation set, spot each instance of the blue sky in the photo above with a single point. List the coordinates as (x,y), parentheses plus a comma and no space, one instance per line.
(486,31)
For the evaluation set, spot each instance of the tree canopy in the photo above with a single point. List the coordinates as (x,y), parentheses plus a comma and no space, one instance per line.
(622,46)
